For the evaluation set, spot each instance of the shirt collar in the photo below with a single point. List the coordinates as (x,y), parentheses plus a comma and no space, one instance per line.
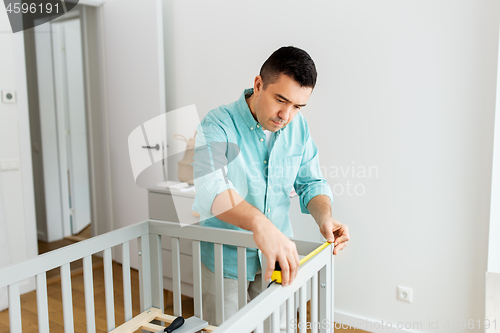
(247,114)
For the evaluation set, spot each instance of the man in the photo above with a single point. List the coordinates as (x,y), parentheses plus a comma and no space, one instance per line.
(249,155)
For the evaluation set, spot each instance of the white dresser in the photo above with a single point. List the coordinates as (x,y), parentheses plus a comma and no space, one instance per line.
(161,207)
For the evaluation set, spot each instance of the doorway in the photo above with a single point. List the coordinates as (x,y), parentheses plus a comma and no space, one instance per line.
(65,105)
(63,128)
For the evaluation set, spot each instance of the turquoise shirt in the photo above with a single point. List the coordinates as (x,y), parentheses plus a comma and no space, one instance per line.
(231,153)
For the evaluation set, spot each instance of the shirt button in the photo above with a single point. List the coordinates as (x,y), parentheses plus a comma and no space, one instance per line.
(251,128)
(261,139)
(268,210)
(265,161)
(258,126)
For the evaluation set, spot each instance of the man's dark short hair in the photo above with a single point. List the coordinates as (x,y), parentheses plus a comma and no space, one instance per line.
(291,61)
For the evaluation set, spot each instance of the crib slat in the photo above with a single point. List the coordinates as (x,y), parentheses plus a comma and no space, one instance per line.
(290,309)
(296,305)
(255,312)
(198,308)
(259,328)
(88,281)
(219,284)
(275,321)
(242,276)
(176,276)
(108,289)
(67,298)
(42,305)
(314,303)
(264,267)
(266,326)
(303,308)
(15,308)
(127,286)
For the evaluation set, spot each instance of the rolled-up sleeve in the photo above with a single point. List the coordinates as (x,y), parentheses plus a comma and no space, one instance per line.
(210,167)
(310,182)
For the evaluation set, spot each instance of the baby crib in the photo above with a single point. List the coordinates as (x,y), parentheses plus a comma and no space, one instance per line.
(314,282)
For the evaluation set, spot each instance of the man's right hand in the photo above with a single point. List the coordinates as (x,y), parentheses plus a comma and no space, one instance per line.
(230,207)
(276,247)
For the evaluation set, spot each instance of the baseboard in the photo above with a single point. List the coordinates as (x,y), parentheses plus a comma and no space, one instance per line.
(27,285)
(371,325)
(492,301)
(76,238)
(187,288)
(41,236)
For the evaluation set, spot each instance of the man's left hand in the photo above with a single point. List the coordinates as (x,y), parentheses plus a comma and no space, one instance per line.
(334,231)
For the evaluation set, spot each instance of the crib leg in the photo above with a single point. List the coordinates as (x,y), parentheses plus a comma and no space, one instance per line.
(332,290)
(156,271)
(144,272)
(326,297)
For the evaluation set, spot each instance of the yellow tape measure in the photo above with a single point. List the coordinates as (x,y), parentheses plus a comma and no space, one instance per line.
(276,276)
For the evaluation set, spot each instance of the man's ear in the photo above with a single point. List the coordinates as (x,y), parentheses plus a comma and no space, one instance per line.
(258,85)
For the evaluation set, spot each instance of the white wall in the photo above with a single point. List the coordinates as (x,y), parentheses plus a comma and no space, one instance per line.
(9,147)
(11,204)
(133,76)
(17,182)
(494,231)
(492,277)
(405,87)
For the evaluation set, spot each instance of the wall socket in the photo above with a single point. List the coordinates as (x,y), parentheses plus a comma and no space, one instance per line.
(9,165)
(405,294)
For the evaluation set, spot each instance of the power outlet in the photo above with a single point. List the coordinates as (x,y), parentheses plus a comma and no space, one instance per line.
(9,165)
(405,294)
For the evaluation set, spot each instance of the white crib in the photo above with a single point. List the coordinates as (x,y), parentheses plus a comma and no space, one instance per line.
(314,280)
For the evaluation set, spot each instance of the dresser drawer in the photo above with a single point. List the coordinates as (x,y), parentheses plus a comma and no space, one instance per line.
(161,207)
(172,208)
(186,266)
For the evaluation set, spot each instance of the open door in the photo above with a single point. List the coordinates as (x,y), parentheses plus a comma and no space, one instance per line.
(63,127)
(70,105)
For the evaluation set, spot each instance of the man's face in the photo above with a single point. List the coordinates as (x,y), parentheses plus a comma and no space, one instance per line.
(278,104)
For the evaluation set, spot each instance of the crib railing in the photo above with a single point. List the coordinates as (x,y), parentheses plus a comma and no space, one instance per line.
(261,314)
(265,308)
(37,267)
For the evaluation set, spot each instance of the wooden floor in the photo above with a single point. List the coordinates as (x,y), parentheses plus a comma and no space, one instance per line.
(29,307)
(46,247)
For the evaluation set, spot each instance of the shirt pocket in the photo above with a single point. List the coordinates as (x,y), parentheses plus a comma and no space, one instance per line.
(291,165)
